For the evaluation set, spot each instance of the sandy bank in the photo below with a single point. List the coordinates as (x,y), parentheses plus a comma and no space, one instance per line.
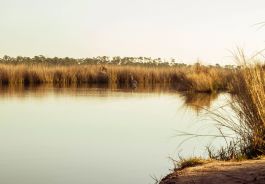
(250,171)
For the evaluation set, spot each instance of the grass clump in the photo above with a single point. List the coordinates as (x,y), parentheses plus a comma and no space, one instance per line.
(248,105)
(183,163)
(250,109)
(190,162)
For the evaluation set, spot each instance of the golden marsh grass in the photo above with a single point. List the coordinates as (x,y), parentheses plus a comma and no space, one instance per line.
(248,106)
(197,79)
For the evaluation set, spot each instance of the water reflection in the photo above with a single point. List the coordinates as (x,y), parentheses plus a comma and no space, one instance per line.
(44,90)
(60,135)
(199,101)
(196,101)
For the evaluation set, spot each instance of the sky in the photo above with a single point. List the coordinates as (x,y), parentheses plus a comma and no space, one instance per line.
(188,30)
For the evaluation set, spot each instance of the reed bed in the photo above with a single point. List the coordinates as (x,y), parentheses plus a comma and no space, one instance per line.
(197,79)
(248,106)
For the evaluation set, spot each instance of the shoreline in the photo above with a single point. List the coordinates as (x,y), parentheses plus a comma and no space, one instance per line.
(247,171)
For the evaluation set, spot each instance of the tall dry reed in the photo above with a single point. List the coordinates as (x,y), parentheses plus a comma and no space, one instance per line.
(248,105)
(199,79)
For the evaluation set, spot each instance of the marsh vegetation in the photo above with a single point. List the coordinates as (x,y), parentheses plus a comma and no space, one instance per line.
(248,107)
(36,71)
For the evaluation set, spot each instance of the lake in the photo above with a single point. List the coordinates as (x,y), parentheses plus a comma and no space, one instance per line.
(96,135)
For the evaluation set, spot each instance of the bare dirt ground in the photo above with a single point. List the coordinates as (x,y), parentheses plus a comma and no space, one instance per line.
(250,171)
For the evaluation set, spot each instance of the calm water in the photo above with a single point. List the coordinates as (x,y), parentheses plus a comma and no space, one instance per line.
(97,136)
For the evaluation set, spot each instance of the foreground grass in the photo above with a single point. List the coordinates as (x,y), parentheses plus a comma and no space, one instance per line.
(195,78)
(248,105)
(183,163)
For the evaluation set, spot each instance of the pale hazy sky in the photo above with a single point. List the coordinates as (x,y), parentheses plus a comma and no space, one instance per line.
(183,29)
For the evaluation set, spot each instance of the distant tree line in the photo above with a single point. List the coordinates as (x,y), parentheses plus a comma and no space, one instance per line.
(101,60)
